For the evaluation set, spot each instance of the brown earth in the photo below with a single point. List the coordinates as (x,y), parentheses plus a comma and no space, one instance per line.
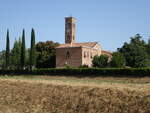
(45,94)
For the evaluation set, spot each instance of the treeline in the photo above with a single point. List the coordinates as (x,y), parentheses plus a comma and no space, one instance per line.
(40,55)
(19,57)
(135,54)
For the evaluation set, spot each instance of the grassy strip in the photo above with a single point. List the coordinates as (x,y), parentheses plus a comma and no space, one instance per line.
(79,80)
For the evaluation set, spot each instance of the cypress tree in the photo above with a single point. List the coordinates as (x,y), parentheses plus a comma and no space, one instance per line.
(32,50)
(22,59)
(7,50)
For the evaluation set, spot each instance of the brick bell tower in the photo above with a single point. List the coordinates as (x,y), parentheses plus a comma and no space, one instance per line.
(70,29)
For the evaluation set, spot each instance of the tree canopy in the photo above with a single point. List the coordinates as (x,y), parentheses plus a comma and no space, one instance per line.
(135,52)
(15,54)
(100,61)
(46,54)
(117,60)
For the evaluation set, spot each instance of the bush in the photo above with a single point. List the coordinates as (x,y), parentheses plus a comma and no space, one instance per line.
(84,66)
(87,72)
(117,60)
(100,61)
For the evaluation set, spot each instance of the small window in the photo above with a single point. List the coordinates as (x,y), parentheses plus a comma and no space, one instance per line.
(84,54)
(67,54)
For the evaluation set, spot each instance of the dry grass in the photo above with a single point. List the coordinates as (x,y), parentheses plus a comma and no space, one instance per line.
(45,94)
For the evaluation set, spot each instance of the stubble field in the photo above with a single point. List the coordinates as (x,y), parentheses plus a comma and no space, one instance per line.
(54,94)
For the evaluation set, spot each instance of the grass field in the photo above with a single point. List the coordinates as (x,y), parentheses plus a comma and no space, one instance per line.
(54,94)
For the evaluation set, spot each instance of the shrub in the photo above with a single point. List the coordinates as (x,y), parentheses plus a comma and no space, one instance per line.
(117,60)
(136,72)
(100,61)
(84,66)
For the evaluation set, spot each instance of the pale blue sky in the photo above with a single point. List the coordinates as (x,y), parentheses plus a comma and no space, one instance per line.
(110,22)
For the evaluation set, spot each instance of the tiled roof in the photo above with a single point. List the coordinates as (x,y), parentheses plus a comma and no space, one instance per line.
(85,44)
(106,52)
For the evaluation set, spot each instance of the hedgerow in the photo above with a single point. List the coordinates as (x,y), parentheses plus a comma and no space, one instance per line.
(136,72)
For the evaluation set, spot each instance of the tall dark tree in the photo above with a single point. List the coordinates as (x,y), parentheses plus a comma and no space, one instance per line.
(7,50)
(32,50)
(23,50)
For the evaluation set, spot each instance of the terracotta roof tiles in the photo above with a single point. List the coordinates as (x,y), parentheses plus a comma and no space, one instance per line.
(106,52)
(86,44)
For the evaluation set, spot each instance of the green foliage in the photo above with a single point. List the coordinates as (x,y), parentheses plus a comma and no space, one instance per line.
(7,50)
(2,59)
(46,54)
(84,72)
(100,61)
(32,50)
(84,66)
(54,111)
(135,52)
(15,54)
(117,60)
(23,51)
(147,46)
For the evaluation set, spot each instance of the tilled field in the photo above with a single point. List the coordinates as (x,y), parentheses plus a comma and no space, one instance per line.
(18,95)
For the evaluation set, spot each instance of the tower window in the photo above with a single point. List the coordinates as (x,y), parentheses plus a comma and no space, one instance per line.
(73,38)
(68,26)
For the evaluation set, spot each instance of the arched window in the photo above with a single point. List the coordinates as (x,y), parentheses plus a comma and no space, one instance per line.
(67,54)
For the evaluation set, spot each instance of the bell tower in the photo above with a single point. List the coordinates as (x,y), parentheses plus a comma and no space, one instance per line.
(70,29)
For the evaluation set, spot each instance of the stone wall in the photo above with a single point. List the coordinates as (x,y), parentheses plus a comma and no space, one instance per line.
(71,56)
(88,54)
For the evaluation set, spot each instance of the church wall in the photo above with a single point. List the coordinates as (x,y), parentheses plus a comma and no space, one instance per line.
(88,54)
(97,46)
(71,56)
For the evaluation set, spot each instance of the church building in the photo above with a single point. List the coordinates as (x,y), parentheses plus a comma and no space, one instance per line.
(76,54)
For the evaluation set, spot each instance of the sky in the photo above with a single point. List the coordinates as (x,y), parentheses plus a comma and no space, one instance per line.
(109,22)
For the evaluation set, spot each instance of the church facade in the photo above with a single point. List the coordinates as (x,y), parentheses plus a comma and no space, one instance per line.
(76,54)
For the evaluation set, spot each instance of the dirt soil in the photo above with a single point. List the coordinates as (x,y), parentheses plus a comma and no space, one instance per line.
(45,94)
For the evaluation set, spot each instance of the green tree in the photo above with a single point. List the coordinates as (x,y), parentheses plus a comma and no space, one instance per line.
(32,50)
(23,51)
(7,50)
(147,46)
(2,59)
(46,54)
(117,60)
(15,54)
(100,61)
(135,52)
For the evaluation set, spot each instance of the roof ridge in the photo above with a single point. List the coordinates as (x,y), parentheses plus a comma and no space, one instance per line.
(86,42)
(83,44)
